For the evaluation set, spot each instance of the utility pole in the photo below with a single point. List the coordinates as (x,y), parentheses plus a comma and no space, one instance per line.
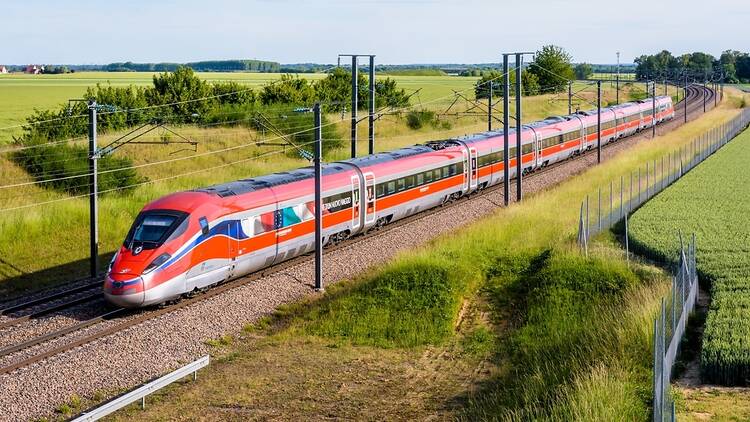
(355,94)
(704,95)
(653,107)
(665,87)
(519,164)
(599,121)
(618,78)
(93,193)
(489,109)
(371,102)
(318,201)
(570,97)
(506,149)
(684,100)
(371,109)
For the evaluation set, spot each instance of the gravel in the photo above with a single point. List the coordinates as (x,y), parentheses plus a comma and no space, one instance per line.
(152,348)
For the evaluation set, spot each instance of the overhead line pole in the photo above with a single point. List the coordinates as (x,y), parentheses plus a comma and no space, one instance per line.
(519,126)
(684,100)
(93,193)
(355,94)
(618,79)
(489,108)
(506,151)
(371,111)
(653,108)
(371,102)
(599,121)
(318,200)
(570,97)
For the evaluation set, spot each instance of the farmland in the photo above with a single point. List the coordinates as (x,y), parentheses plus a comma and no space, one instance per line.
(229,153)
(712,201)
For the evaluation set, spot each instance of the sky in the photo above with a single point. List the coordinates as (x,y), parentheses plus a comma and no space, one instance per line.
(397,32)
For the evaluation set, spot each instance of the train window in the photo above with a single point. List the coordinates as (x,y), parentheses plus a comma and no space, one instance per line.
(400,184)
(452,170)
(420,179)
(460,167)
(525,149)
(428,176)
(391,188)
(380,191)
(338,202)
(264,223)
(444,172)
(512,152)
(409,181)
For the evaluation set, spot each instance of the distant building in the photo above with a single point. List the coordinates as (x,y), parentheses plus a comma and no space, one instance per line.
(3,69)
(34,69)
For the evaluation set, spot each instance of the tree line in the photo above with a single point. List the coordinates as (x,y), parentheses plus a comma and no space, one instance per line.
(202,66)
(181,97)
(733,66)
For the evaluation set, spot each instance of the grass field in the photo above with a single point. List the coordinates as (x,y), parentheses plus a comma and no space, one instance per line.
(712,201)
(64,223)
(503,320)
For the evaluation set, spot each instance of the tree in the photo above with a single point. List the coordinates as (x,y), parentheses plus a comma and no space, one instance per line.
(552,68)
(182,89)
(583,71)
(529,84)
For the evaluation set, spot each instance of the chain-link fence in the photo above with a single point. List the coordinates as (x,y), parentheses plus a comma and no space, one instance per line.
(610,204)
(669,327)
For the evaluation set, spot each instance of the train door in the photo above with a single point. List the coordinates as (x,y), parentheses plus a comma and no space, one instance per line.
(474,172)
(233,239)
(537,150)
(466,169)
(370,201)
(355,204)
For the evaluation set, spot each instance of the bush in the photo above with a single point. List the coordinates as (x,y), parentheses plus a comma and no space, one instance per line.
(411,303)
(416,119)
(61,161)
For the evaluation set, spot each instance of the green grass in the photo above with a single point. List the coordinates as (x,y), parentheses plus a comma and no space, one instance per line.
(567,337)
(711,201)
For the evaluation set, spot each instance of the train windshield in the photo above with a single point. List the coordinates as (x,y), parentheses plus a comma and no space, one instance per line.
(152,228)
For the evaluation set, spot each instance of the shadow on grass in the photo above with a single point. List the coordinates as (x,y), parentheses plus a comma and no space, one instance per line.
(60,275)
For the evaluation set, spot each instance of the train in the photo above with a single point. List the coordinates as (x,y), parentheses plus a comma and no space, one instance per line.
(188,241)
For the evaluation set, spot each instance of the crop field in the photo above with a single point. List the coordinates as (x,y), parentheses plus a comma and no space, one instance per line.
(712,201)
(33,215)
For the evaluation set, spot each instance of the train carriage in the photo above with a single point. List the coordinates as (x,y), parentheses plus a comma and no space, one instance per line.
(188,241)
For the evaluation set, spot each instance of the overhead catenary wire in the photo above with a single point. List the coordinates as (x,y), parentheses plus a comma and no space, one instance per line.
(7,186)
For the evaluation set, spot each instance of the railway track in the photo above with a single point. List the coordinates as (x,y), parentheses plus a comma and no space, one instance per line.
(33,349)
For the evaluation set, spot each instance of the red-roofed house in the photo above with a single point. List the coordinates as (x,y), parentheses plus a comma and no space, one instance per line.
(34,69)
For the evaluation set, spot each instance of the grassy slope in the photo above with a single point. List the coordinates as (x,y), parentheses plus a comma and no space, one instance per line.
(65,224)
(515,324)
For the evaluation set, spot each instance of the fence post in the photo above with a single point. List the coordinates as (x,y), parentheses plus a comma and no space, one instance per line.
(599,209)
(586,231)
(648,172)
(639,185)
(657,373)
(627,241)
(611,203)
(630,195)
(622,180)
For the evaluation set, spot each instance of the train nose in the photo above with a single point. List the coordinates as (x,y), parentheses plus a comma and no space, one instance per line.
(128,293)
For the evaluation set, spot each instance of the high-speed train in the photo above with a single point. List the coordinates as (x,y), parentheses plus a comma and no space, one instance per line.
(189,241)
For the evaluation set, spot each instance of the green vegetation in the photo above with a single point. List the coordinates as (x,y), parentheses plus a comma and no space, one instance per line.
(584,71)
(734,65)
(502,320)
(552,68)
(721,230)
(233,149)
(204,66)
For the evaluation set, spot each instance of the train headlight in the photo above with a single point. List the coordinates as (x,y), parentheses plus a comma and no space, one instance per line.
(157,262)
